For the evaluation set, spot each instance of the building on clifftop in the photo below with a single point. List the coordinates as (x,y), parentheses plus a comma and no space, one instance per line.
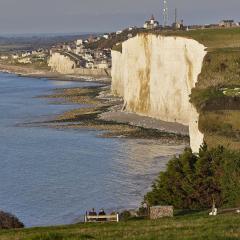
(227,23)
(151,24)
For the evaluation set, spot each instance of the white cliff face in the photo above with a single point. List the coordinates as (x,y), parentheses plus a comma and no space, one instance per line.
(117,71)
(61,64)
(155,76)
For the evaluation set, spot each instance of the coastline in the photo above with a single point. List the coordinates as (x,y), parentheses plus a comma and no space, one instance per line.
(104,113)
(28,71)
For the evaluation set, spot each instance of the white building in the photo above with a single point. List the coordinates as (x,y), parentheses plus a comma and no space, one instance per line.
(78,50)
(102,64)
(25,60)
(26,54)
(130,35)
(151,24)
(88,57)
(106,36)
(132,28)
(227,23)
(15,56)
(4,57)
(79,42)
(89,65)
(119,32)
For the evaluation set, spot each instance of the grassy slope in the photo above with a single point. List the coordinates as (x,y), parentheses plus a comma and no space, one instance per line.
(198,226)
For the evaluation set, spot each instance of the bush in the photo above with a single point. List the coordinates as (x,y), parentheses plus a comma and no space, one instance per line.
(125,216)
(193,181)
(8,221)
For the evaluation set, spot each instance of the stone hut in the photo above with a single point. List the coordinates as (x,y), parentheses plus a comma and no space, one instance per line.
(157,212)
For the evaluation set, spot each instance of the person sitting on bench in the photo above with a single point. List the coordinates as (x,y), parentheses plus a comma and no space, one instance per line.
(92,213)
(102,213)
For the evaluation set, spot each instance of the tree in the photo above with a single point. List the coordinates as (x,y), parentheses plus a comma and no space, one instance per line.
(193,181)
(8,221)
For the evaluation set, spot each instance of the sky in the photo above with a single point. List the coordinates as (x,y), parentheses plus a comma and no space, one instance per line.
(70,16)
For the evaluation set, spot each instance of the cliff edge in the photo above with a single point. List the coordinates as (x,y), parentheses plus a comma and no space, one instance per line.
(156,74)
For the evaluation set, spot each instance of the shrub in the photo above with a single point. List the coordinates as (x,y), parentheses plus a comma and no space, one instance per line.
(193,181)
(125,216)
(8,221)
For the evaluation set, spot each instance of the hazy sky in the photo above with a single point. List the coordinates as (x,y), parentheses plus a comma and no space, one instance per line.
(46,16)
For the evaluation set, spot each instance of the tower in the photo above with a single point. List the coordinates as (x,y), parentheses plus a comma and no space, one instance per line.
(165,13)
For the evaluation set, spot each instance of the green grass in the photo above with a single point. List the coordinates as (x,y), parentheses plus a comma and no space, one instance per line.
(211,38)
(196,226)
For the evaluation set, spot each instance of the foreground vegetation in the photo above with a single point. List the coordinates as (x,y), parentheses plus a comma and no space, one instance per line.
(9,221)
(192,226)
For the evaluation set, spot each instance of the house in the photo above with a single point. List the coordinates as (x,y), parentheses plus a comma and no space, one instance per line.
(25,60)
(79,50)
(119,32)
(106,36)
(178,25)
(130,35)
(132,28)
(79,42)
(151,24)
(26,54)
(15,56)
(88,56)
(4,57)
(34,52)
(102,64)
(89,65)
(227,23)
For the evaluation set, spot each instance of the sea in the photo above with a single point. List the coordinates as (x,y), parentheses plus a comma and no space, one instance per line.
(51,176)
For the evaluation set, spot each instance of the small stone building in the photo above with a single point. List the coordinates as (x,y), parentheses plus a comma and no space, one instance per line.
(157,212)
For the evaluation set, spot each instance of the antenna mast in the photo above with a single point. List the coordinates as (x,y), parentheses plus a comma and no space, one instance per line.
(176,16)
(165,13)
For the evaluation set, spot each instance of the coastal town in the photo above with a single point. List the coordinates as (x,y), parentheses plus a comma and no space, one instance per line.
(92,55)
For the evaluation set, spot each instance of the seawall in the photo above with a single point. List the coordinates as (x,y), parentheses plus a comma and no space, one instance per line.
(155,76)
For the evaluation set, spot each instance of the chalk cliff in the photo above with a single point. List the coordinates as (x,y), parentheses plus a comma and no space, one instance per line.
(155,76)
(61,63)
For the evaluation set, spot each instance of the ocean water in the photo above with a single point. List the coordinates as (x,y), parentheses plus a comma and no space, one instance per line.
(52,176)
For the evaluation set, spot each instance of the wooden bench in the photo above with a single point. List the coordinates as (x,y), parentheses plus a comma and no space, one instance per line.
(104,218)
